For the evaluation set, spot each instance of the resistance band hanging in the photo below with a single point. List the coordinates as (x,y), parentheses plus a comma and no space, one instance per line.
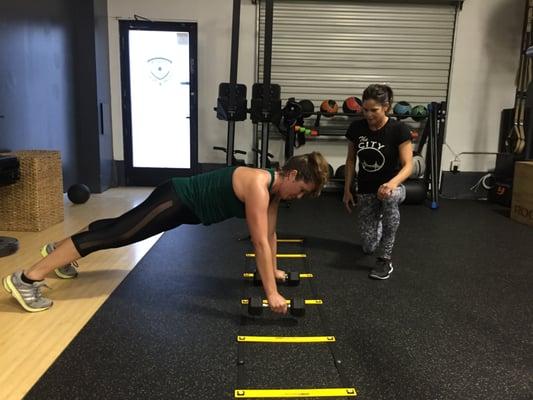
(433,134)
(433,148)
(427,137)
(441,129)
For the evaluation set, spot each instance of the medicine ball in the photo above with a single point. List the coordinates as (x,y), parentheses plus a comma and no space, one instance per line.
(419,166)
(78,193)
(340,173)
(419,112)
(329,107)
(402,109)
(330,171)
(352,105)
(415,191)
(308,108)
(292,110)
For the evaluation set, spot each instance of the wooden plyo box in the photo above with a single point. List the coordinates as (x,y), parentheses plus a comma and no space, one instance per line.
(522,203)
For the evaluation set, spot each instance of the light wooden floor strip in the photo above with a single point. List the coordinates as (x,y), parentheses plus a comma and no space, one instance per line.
(30,342)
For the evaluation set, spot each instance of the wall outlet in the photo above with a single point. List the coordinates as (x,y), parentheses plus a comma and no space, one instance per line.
(454,166)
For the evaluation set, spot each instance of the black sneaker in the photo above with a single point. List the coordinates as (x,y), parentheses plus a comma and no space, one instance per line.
(382,270)
(368,252)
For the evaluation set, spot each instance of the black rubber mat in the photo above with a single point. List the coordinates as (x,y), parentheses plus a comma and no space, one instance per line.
(453,322)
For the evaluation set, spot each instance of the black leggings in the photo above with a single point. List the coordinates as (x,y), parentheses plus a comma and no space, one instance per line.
(161,211)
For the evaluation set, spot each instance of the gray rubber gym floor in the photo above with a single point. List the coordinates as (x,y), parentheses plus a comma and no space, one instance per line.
(454,321)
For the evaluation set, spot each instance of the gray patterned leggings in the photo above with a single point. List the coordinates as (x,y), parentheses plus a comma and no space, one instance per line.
(378,221)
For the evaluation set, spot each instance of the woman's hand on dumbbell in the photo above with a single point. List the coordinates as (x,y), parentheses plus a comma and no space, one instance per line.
(290,278)
(277,303)
(280,275)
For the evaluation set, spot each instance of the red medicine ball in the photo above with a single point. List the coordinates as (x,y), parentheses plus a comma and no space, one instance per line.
(329,107)
(352,105)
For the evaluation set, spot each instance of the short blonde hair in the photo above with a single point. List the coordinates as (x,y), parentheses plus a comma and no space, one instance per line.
(311,167)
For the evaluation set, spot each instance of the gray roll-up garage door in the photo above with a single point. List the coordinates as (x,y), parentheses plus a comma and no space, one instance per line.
(332,49)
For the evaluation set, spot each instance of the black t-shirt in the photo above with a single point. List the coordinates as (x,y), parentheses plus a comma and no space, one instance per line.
(377,151)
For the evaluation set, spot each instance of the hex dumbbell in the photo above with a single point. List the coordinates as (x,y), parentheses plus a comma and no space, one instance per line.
(292,278)
(256,304)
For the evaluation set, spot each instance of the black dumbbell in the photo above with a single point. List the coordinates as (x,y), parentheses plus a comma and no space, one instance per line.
(257,279)
(296,306)
(291,278)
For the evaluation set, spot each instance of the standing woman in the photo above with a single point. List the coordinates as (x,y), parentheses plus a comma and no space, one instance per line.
(383,147)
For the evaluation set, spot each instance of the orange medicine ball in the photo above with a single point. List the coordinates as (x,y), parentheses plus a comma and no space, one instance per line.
(329,107)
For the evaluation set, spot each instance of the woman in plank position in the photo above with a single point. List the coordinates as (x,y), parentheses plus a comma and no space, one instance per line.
(208,198)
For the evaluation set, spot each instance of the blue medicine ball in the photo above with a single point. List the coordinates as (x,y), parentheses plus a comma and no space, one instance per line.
(402,109)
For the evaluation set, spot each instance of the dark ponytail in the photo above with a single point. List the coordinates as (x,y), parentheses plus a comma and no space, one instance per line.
(380,93)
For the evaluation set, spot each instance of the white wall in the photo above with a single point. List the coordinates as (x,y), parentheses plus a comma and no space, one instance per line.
(214,18)
(482,82)
(487,51)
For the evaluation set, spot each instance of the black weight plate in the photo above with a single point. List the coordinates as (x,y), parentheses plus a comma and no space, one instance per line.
(8,246)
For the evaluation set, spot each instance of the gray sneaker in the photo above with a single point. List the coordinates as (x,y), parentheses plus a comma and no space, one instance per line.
(28,295)
(382,270)
(68,271)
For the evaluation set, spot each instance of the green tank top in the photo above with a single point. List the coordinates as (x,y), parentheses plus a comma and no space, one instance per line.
(210,196)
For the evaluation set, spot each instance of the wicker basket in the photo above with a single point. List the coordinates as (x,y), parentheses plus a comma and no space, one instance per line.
(36,201)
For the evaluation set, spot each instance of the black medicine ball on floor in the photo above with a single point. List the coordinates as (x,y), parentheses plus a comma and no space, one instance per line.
(340,173)
(331,171)
(415,191)
(78,193)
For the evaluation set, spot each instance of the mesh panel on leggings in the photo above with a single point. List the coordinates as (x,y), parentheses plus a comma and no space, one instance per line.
(160,212)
